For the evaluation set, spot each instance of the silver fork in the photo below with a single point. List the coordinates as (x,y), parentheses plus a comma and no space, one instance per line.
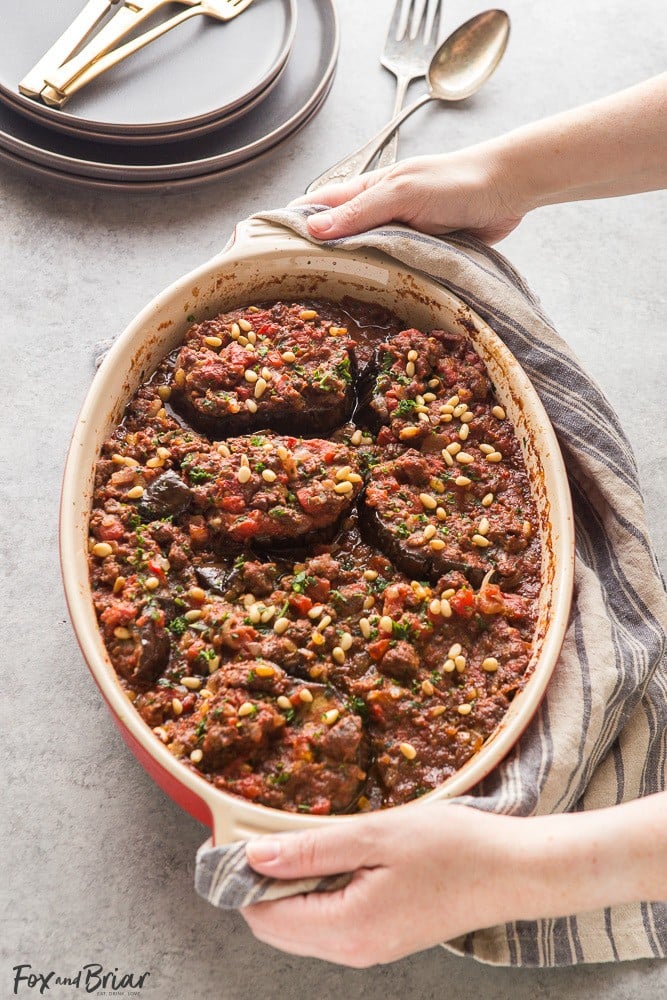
(412,39)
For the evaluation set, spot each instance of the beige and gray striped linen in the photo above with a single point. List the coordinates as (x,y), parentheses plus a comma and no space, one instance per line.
(600,735)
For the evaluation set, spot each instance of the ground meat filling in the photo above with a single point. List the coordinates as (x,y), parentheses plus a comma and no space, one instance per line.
(271,490)
(320,625)
(430,518)
(284,367)
(424,382)
(259,734)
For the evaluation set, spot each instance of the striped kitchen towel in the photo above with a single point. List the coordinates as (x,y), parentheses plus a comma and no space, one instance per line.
(599,737)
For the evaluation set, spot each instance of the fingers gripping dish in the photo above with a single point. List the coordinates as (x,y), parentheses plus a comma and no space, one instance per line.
(317,620)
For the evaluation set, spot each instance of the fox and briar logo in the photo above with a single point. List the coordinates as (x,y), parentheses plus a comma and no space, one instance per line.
(93,979)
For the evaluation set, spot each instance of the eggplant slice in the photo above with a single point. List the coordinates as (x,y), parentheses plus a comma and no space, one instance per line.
(281,367)
(270,491)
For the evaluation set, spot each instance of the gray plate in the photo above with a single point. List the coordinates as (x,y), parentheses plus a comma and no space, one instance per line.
(305,80)
(148,187)
(185,130)
(194,74)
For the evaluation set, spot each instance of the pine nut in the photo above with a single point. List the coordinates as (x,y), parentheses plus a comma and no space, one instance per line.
(346,641)
(281,625)
(428,501)
(408,751)
(268,475)
(244,474)
(386,624)
(135,493)
(480,541)
(498,412)
(196,756)
(490,664)
(102,550)
(464,709)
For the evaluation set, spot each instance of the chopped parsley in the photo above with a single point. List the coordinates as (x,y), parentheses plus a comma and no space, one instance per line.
(405,407)
(178,626)
(199,475)
(301,581)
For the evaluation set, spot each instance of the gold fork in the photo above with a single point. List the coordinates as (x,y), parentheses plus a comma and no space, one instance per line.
(99,55)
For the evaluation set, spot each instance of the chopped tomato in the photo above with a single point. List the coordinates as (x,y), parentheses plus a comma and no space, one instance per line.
(233,504)
(111,529)
(376,650)
(195,649)
(463,602)
(322,807)
(155,568)
(300,603)
(118,614)
(491,600)
(244,529)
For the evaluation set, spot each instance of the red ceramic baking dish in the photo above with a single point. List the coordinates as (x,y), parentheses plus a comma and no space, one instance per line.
(262,263)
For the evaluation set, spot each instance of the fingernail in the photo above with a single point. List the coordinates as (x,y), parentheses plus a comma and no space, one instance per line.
(263,849)
(322,221)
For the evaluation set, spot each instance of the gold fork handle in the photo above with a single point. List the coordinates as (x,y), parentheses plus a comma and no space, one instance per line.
(57,99)
(81,27)
(120,25)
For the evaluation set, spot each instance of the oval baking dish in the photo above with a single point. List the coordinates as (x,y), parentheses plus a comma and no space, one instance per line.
(265,263)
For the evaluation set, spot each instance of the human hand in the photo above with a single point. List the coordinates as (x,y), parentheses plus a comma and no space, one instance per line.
(434,194)
(422,875)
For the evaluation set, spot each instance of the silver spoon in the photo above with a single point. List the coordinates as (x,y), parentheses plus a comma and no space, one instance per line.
(458,69)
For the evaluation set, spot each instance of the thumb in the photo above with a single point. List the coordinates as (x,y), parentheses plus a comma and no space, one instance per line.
(330,850)
(365,210)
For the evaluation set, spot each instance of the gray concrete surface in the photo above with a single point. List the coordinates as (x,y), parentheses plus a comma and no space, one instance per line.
(97,863)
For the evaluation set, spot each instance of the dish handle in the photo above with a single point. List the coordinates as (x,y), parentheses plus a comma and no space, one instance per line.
(258,234)
(224,877)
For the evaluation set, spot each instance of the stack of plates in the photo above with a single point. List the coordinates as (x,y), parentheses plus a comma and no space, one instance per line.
(199,102)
